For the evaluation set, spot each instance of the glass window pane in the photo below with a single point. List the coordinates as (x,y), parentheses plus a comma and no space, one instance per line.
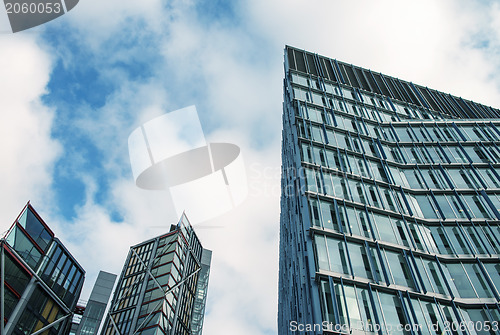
(477,206)
(478,281)
(338,256)
(399,269)
(489,177)
(494,273)
(393,312)
(384,228)
(328,216)
(359,260)
(352,306)
(440,240)
(426,207)
(321,253)
(457,240)
(459,280)
(435,277)
(365,308)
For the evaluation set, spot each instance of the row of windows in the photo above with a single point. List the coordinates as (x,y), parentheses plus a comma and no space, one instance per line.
(357,307)
(427,206)
(138,257)
(30,238)
(123,321)
(127,294)
(340,113)
(410,177)
(446,178)
(410,153)
(382,265)
(440,239)
(35,228)
(375,109)
(155,324)
(63,275)
(16,280)
(41,310)
(24,246)
(341,73)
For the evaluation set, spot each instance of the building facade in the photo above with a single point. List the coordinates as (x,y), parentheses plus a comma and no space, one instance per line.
(96,305)
(390,205)
(40,280)
(162,283)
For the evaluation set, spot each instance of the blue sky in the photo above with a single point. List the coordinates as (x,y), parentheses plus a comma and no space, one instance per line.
(72,90)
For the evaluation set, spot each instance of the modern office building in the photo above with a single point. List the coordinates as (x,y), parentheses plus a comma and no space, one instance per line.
(162,284)
(40,279)
(96,305)
(390,205)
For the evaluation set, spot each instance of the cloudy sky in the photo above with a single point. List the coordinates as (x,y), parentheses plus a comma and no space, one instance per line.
(72,91)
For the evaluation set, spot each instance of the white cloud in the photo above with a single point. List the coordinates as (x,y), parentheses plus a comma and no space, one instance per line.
(27,151)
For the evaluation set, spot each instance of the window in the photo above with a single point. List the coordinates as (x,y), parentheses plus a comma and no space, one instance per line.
(365,308)
(458,154)
(477,155)
(441,240)
(493,270)
(314,212)
(415,179)
(434,276)
(489,177)
(457,240)
(313,183)
(326,301)
(477,207)
(23,245)
(459,281)
(321,253)
(328,216)
(398,176)
(478,281)
(463,179)
(384,228)
(359,260)
(427,207)
(449,206)
(434,178)
(393,313)
(337,255)
(35,229)
(399,269)
(450,134)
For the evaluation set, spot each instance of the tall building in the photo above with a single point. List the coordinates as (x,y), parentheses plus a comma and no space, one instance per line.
(390,205)
(40,280)
(162,287)
(96,305)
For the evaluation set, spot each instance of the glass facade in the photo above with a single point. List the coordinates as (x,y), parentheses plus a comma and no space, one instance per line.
(390,205)
(42,281)
(159,286)
(96,306)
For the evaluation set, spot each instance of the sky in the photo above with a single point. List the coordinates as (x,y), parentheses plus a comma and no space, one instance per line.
(72,91)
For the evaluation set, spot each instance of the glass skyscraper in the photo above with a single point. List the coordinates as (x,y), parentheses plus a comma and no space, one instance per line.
(96,306)
(163,286)
(390,205)
(40,280)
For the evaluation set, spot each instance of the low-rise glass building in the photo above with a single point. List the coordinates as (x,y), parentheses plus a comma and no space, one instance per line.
(41,281)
